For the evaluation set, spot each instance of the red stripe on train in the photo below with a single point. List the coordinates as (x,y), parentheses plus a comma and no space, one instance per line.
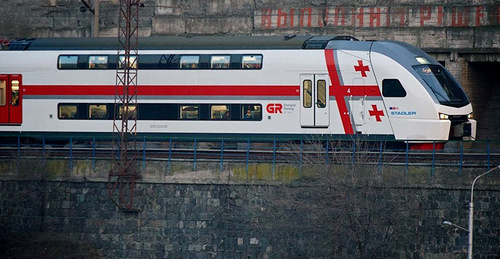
(167,90)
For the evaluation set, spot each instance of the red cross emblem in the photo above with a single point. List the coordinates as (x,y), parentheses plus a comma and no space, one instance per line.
(377,113)
(361,68)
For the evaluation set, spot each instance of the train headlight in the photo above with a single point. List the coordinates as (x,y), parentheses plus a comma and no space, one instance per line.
(470,116)
(443,116)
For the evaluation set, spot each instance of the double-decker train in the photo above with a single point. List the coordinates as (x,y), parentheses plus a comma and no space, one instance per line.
(235,85)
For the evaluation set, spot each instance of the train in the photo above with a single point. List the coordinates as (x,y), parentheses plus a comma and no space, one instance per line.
(244,86)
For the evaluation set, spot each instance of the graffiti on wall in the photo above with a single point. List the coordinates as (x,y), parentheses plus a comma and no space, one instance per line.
(376,17)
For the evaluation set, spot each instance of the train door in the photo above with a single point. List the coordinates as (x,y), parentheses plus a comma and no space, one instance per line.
(315,100)
(11,99)
(358,112)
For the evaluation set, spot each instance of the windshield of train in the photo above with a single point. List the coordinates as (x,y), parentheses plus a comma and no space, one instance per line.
(443,85)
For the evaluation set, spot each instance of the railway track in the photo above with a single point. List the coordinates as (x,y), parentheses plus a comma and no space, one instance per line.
(262,153)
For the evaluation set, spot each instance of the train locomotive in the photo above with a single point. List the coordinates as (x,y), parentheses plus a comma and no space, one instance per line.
(235,86)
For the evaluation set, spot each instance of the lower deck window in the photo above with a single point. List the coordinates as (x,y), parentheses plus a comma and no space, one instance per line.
(68,111)
(160,111)
(220,112)
(251,112)
(98,111)
(189,112)
(129,112)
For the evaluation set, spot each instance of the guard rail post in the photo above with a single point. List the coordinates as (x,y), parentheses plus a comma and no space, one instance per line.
(326,151)
(93,154)
(169,166)
(274,156)
(43,146)
(461,157)
(221,166)
(71,153)
(380,157)
(407,157)
(488,152)
(248,154)
(301,154)
(194,157)
(144,153)
(433,157)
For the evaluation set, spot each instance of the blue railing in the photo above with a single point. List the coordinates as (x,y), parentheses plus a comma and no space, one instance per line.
(459,154)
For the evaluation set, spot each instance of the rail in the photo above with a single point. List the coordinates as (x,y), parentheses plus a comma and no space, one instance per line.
(459,155)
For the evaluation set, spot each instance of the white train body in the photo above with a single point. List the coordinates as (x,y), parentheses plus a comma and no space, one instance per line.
(299,86)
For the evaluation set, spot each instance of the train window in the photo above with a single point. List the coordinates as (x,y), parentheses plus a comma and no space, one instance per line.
(67,111)
(251,61)
(130,112)
(190,61)
(220,112)
(98,111)
(220,61)
(307,88)
(251,112)
(190,112)
(321,102)
(3,92)
(392,88)
(132,61)
(164,61)
(67,62)
(15,92)
(98,62)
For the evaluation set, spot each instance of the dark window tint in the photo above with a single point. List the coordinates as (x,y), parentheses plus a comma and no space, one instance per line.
(392,88)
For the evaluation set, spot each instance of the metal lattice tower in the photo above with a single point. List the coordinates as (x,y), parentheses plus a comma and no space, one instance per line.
(122,176)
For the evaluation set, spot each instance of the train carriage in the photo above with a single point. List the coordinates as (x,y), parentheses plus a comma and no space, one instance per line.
(235,85)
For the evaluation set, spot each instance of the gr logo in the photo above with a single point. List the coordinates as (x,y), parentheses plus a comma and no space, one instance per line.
(274,108)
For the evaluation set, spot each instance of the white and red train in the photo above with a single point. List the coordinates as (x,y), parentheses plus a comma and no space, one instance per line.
(219,85)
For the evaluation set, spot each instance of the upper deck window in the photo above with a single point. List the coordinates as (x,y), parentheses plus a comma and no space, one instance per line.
(132,62)
(67,62)
(220,61)
(98,62)
(251,61)
(190,62)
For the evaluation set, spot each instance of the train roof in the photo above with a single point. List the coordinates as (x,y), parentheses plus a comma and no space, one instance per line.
(181,42)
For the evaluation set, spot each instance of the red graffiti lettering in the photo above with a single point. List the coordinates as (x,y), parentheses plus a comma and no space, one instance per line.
(459,17)
(281,17)
(479,15)
(440,16)
(374,17)
(266,21)
(360,15)
(309,16)
(425,14)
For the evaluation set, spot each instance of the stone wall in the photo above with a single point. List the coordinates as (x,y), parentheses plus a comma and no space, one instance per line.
(196,221)
(435,24)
